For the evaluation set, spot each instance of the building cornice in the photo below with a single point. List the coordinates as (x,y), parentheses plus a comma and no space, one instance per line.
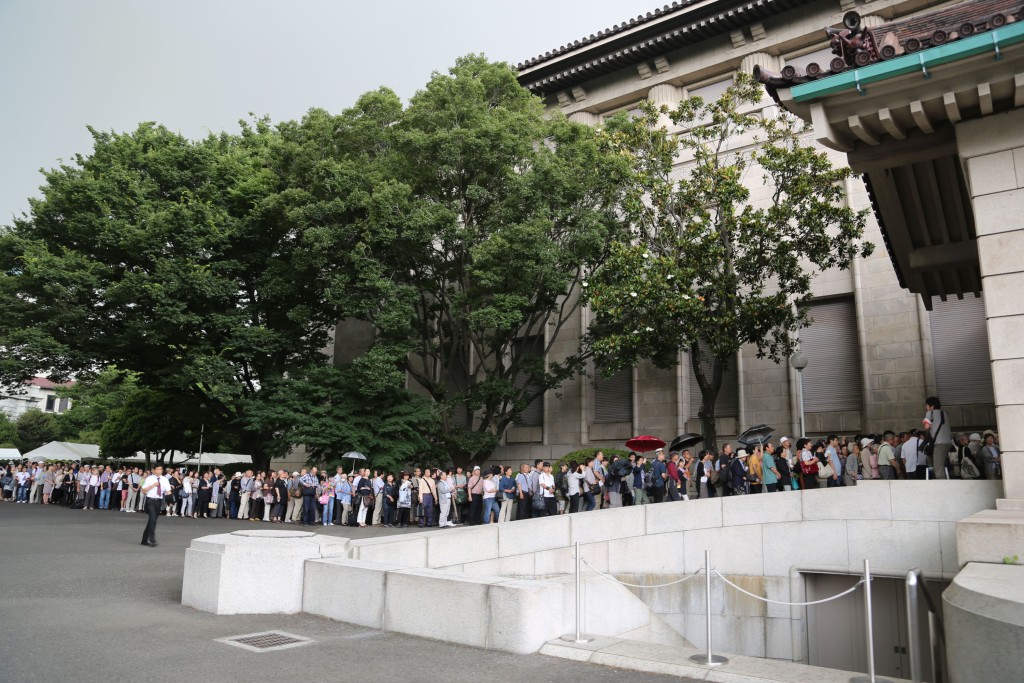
(687,24)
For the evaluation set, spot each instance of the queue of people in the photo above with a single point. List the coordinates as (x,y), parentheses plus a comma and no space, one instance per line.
(429,497)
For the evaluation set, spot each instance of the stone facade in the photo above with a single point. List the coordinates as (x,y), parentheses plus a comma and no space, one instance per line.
(892,325)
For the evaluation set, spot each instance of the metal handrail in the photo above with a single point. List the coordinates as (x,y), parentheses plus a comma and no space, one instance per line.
(936,629)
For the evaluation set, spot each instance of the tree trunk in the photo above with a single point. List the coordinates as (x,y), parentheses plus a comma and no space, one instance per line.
(709,388)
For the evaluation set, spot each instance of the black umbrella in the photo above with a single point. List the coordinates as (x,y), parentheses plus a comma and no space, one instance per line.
(756,436)
(685,441)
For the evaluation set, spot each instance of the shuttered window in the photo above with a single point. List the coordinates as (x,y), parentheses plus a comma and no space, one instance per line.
(613,397)
(728,402)
(963,371)
(527,347)
(712,91)
(820,57)
(832,379)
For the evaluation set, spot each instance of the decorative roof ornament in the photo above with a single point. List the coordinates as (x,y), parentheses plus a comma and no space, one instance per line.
(856,46)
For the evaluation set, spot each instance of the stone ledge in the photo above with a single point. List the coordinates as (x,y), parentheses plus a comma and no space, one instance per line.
(989,536)
(984,619)
(675,661)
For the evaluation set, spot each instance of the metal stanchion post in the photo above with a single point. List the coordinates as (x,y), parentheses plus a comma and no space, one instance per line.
(869,632)
(913,627)
(580,637)
(708,659)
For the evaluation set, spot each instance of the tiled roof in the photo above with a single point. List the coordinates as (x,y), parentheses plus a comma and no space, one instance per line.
(901,37)
(45,383)
(675,26)
(617,28)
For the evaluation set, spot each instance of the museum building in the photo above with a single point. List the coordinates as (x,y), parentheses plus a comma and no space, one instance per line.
(886,334)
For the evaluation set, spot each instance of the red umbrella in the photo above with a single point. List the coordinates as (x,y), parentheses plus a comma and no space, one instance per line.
(642,444)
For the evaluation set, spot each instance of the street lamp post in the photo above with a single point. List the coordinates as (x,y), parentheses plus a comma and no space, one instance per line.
(799,361)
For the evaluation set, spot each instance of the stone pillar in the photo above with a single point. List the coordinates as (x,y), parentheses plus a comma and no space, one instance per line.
(585,117)
(992,151)
(668,95)
(762,59)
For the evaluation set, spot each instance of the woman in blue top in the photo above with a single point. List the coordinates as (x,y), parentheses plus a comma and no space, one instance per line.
(507,486)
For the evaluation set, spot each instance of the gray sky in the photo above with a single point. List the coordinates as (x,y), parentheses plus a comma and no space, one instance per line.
(195,65)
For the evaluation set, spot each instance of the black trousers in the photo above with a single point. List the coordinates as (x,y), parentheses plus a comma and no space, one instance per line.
(658,493)
(308,509)
(152,512)
(550,506)
(476,510)
(523,508)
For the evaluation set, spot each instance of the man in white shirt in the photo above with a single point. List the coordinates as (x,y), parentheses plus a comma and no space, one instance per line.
(913,456)
(546,485)
(378,492)
(154,489)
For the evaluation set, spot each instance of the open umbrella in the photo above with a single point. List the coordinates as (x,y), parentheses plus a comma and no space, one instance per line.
(684,441)
(756,435)
(353,456)
(642,444)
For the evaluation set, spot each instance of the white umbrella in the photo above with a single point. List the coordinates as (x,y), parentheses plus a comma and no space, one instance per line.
(353,456)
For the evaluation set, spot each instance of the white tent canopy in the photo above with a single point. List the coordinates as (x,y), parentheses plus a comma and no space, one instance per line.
(10,454)
(206,459)
(64,450)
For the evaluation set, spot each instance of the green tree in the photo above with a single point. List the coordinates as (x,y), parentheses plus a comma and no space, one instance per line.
(94,397)
(36,428)
(334,410)
(8,429)
(483,217)
(157,423)
(707,268)
(173,259)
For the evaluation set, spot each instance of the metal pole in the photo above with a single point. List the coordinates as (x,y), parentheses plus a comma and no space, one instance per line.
(709,659)
(913,627)
(580,638)
(933,650)
(869,626)
(579,591)
(800,394)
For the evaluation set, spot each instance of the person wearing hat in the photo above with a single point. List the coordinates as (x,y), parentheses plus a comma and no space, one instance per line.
(868,460)
(738,474)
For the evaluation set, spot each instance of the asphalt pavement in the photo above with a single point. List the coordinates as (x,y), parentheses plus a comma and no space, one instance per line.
(83,601)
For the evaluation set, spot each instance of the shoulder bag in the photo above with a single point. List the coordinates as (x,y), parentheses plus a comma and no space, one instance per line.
(825,471)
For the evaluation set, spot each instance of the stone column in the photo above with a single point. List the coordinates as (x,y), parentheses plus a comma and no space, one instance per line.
(668,95)
(585,117)
(992,151)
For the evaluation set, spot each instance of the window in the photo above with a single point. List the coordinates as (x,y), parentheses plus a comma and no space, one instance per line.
(529,349)
(65,403)
(963,371)
(711,91)
(51,404)
(832,380)
(821,57)
(613,397)
(728,402)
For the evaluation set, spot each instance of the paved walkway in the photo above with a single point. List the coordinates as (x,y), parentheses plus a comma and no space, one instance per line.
(82,601)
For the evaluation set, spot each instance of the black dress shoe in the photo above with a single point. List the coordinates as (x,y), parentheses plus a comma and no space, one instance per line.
(151,544)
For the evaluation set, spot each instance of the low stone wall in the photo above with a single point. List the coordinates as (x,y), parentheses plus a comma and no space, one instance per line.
(762,542)
(513,581)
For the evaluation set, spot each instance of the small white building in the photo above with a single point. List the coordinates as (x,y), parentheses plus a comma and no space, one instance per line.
(39,392)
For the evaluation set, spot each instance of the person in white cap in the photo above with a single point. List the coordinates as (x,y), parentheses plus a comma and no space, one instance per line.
(738,476)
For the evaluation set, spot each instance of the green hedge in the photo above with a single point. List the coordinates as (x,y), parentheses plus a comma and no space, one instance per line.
(582,454)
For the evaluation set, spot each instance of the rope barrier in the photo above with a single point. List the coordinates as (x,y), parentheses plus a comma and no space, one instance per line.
(637,585)
(791,604)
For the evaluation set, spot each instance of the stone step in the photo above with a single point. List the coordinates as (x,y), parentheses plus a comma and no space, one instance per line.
(1010,504)
(990,536)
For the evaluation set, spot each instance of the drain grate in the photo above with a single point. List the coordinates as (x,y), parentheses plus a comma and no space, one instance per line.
(266,641)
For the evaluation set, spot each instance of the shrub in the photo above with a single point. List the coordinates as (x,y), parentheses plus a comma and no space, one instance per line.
(584,453)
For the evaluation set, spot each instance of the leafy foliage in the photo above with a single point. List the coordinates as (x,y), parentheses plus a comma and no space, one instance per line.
(334,410)
(36,428)
(484,219)
(8,430)
(708,264)
(580,455)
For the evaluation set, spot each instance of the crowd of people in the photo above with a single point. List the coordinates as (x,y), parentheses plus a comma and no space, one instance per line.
(431,497)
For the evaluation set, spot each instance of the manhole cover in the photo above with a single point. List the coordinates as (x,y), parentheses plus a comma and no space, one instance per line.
(267,641)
